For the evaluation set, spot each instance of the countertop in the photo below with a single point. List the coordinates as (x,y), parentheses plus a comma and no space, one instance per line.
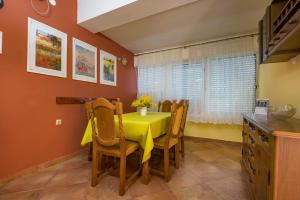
(269,124)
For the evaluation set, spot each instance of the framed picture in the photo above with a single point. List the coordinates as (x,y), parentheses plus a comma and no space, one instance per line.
(108,68)
(84,61)
(47,50)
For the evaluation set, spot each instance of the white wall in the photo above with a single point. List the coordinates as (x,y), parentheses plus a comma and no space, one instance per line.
(100,15)
(87,9)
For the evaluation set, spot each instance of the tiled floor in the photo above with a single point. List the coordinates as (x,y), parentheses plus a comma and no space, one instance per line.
(210,171)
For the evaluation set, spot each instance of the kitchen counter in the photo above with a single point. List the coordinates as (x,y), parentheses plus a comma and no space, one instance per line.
(269,124)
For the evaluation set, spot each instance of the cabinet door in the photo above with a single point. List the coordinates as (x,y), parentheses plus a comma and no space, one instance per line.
(262,182)
(245,133)
(244,145)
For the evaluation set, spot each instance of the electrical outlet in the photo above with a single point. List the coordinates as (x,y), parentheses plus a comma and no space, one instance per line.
(58,122)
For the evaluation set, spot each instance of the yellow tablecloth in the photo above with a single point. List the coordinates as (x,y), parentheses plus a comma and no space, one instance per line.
(138,128)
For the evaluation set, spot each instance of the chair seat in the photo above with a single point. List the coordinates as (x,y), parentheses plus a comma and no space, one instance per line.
(160,141)
(116,151)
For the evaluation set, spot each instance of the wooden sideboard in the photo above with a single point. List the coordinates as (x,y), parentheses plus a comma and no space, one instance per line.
(271,157)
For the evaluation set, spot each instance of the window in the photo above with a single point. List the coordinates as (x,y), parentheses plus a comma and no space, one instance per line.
(219,86)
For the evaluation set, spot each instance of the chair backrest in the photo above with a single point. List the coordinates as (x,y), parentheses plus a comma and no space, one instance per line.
(185,104)
(89,109)
(175,123)
(165,106)
(104,124)
(114,101)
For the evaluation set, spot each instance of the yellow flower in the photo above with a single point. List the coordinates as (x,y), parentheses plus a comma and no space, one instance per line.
(143,101)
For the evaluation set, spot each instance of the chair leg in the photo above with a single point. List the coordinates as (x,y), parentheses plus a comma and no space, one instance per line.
(182,146)
(122,175)
(95,165)
(166,164)
(141,154)
(177,155)
(100,163)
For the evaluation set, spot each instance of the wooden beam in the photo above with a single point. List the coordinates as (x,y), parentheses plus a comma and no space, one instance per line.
(78,100)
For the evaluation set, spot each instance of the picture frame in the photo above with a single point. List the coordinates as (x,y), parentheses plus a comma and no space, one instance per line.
(84,67)
(47,50)
(108,68)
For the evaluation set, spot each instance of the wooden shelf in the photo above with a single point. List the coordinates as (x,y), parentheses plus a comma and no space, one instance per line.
(287,12)
(79,100)
(285,44)
(284,31)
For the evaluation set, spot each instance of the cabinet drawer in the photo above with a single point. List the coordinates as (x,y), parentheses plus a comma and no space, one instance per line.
(252,167)
(265,141)
(251,141)
(245,128)
(251,153)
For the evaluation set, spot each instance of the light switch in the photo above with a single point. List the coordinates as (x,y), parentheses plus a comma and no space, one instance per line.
(0,42)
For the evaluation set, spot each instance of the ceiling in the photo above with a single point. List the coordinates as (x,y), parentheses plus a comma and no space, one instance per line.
(100,15)
(199,21)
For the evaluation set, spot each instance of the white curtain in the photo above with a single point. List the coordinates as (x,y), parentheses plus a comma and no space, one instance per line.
(218,78)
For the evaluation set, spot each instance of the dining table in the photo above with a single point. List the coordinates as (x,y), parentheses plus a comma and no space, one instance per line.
(142,129)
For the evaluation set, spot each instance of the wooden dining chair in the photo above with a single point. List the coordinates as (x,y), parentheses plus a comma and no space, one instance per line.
(106,142)
(89,113)
(165,106)
(89,110)
(169,140)
(185,103)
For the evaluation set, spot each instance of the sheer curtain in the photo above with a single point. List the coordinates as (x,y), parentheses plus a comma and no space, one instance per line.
(218,78)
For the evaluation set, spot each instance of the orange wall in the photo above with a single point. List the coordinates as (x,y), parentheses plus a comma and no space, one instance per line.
(28,135)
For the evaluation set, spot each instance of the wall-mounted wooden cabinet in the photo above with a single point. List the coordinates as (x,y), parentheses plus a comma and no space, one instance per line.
(279,31)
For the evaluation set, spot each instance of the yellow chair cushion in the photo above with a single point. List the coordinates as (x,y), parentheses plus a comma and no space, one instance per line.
(160,141)
(116,151)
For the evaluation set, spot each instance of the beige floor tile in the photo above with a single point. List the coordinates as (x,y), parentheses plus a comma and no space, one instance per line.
(167,195)
(210,170)
(196,192)
(180,179)
(70,176)
(229,188)
(31,195)
(107,189)
(157,184)
(76,162)
(205,171)
(74,192)
(29,182)
(208,155)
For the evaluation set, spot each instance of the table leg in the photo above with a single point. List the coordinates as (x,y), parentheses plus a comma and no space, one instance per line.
(146,173)
(90,157)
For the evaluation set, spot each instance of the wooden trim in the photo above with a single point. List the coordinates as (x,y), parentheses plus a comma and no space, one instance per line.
(78,100)
(286,134)
(200,139)
(40,167)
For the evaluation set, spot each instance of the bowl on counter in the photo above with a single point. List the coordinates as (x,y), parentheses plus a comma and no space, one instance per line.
(283,112)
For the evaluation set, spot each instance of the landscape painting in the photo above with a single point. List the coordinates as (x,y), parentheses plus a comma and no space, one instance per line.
(84,61)
(47,50)
(108,68)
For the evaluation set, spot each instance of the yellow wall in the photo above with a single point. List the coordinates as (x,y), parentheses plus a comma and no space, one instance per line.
(212,131)
(280,82)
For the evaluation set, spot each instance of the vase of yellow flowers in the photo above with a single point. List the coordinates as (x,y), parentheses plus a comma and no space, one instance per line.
(143,102)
